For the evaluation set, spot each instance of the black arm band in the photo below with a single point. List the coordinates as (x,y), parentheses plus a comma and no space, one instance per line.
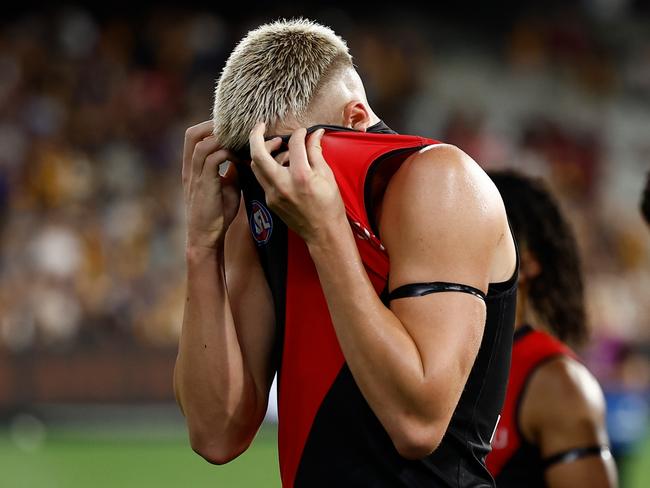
(574,454)
(422,289)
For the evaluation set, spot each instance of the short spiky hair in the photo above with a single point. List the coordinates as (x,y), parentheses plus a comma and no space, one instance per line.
(273,73)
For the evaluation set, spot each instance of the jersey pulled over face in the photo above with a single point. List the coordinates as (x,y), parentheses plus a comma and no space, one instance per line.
(328,434)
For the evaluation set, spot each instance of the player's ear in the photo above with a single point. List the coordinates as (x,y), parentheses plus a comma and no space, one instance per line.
(356,115)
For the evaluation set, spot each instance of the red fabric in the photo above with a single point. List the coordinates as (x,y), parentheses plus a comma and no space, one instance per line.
(528,352)
(311,357)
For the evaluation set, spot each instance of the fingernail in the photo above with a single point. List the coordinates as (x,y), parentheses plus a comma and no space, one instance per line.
(223,168)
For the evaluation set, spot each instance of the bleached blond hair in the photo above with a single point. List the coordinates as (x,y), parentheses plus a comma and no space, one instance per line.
(274,73)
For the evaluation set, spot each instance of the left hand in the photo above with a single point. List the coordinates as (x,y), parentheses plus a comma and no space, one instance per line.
(304,194)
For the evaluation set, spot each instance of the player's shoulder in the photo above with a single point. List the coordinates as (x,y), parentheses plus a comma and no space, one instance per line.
(445,166)
(440,158)
(564,392)
(443,177)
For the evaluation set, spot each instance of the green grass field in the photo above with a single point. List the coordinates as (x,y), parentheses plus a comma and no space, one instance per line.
(638,474)
(125,459)
(119,459)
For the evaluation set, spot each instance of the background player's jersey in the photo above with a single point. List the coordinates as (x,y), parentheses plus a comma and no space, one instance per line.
(515,462)
(328,435)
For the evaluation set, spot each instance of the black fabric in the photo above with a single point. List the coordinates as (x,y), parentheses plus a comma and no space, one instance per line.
(572,455)
(380,128)
(522,469)
(348,447)
(522,332)
(422,289)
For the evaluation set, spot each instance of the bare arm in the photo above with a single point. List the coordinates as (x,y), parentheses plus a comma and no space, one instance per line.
(571,416)
(411,361)
(223,373)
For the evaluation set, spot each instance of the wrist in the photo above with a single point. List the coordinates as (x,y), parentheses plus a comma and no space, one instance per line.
(330,236)
(197,253)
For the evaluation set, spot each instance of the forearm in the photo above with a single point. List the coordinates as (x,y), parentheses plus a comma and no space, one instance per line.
(381,354)
(215,390)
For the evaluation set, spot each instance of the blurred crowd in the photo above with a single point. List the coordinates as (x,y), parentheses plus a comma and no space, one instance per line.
(92,118)
(93,110)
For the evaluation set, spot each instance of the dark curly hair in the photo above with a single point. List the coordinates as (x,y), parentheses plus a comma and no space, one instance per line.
(557,293)
(645,200)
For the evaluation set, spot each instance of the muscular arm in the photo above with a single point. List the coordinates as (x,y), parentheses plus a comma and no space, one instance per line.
(442,220)
(571,415)
(223,372)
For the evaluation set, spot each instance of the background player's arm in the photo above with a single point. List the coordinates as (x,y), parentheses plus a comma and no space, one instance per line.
(223,372)
(442,220)
(577,421)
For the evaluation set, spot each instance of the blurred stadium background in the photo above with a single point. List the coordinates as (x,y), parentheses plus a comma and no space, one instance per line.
(94,102)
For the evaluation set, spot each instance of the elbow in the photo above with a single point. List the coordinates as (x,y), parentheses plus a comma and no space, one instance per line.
(213,455)
(214,449)
(415,440)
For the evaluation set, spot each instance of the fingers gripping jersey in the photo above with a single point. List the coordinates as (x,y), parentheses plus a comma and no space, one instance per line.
(328,435)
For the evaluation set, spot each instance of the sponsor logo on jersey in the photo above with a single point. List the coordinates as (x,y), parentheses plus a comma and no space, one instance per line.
(261,223)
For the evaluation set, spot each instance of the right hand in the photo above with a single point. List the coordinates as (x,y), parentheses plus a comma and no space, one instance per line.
(211,199)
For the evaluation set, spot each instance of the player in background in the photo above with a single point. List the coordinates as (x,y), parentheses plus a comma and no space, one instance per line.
(552,430)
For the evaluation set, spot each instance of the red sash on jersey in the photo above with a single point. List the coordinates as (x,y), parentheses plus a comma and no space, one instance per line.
(529,352)
(311,357)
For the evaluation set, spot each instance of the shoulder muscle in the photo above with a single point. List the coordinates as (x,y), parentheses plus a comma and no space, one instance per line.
(441,211)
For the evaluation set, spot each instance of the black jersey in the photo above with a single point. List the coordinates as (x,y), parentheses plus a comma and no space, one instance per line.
(328,434)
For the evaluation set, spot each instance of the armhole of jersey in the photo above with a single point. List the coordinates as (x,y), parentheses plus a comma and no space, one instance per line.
(375,166)
(423,289)
(503,286)
(522,332)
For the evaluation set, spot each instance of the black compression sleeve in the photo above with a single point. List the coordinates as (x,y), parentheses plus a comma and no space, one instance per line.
(422,289)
